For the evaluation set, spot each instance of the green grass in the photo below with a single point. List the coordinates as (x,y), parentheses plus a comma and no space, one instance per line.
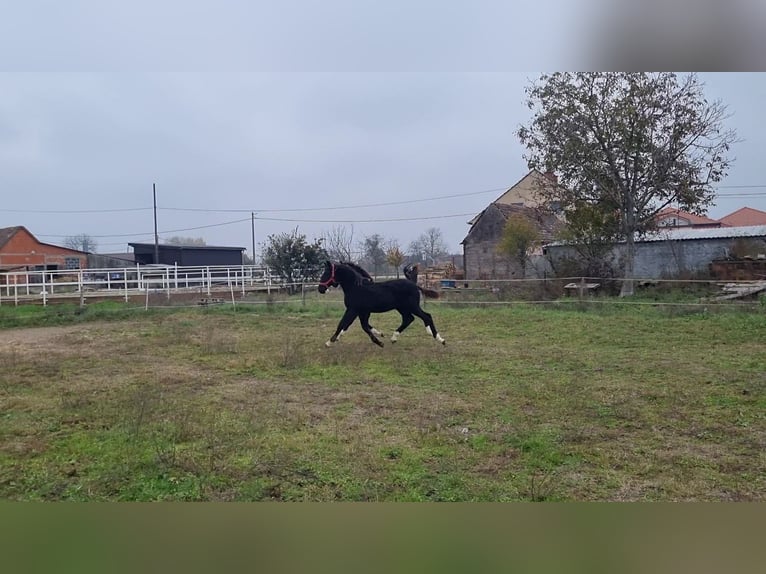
(563,402)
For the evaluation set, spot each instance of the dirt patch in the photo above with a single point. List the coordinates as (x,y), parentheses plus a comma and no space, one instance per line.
(33,340)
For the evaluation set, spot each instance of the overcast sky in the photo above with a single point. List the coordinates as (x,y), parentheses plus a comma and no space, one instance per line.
(79,151)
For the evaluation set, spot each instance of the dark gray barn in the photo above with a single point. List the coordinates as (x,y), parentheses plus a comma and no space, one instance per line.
(187,255)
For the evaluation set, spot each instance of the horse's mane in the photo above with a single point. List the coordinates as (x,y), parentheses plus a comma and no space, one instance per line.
(365,277)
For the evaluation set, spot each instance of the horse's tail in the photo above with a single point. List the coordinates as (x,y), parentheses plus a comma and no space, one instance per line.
(429,293)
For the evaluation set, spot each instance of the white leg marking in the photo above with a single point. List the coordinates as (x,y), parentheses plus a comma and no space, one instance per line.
(376,332)
(341,333)
(328,343)
(395,336)
(439,338)
(428,330)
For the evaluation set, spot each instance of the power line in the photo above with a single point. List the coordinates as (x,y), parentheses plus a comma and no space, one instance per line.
(359,206)
(248,210)
(275,219)
(71,211)
(366,220)
(335,208)
(162,232)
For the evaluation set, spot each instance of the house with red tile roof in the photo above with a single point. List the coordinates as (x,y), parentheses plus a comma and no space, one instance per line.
(674,217)
(743,217)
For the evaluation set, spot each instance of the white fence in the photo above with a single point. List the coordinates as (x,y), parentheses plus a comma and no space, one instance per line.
(41,286)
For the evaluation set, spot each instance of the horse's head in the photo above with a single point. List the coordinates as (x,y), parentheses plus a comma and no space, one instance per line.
(328,278)
(411,272)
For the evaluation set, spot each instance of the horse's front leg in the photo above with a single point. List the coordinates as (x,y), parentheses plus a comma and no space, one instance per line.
(343,325)
(364,319)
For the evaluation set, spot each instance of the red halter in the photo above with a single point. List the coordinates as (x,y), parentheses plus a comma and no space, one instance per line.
(331,280)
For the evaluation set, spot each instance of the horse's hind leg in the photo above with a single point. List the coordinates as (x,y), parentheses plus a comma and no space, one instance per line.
(364,319)
(343,325)
(407,318)
(430,327)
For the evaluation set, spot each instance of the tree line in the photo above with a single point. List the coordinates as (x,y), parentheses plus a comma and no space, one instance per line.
(292,257)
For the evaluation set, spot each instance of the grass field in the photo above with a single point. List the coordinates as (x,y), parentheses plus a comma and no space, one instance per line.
(529,403)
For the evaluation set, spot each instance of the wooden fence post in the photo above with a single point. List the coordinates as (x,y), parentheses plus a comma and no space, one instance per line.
(82,289)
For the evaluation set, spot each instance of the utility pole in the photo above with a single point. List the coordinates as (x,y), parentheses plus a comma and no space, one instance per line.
(156,237)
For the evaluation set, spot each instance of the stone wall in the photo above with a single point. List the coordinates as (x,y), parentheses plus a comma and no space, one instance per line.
(664,259)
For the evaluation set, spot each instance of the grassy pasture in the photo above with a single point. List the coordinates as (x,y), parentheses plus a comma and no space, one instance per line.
(525,402)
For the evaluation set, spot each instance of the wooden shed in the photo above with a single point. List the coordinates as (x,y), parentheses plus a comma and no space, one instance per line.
(187,255)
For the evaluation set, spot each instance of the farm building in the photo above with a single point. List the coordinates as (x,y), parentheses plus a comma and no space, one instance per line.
(525,191)
(676,252)
(742,217)
(21,251)
(674,217)
(481,259)
(745,216)
(111,260)
(187,255)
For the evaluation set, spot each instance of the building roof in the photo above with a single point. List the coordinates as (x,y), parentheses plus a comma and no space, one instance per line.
(173,246)
(545,222)
(126,256)
(688,233)
(7,232)
(694,220)
(745,216)
(549,178)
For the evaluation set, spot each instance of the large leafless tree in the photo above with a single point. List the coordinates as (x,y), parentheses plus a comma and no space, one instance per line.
(429,247)
(339,243)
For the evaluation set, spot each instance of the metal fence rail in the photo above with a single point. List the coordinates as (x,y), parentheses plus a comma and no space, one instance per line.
(159,285)
(41,286)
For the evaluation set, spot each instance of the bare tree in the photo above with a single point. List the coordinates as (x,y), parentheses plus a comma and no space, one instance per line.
(338,242)
(429,246)
(82,242)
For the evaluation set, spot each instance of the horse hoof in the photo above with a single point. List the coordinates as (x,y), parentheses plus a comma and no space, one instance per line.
(328,344)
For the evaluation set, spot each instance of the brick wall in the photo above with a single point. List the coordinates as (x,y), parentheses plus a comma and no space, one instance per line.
(24,250)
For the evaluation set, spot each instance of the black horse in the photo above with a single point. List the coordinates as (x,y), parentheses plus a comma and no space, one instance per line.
(411,272)
(363,297)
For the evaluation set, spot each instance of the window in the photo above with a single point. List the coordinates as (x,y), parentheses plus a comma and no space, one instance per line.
(72,262)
